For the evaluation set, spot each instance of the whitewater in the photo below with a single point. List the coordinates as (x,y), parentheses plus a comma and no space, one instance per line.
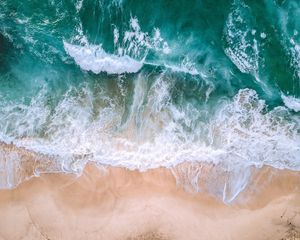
(115,85)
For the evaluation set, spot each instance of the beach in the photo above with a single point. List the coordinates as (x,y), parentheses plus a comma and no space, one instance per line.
(115,203)
(150,120)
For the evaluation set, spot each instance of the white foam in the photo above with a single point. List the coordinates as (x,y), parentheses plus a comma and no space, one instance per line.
(295,52)
(78,5)
(263,35)
(291,102)
(131,49)
(242,49)
(137,44)
(20,120)
(289,39)
(94,58)
(239,59)
(156,132)
(182,69)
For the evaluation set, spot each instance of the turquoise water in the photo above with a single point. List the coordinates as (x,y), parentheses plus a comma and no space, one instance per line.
(152,83)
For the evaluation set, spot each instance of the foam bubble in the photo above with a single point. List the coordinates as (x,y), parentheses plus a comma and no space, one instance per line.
(263,35)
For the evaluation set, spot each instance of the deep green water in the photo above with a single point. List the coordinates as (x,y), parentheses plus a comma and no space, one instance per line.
(143,84)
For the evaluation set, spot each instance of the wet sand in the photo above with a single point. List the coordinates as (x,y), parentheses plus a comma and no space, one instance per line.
(116,203)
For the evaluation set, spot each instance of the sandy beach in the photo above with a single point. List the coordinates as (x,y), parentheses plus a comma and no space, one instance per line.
(115,203)
(150,120)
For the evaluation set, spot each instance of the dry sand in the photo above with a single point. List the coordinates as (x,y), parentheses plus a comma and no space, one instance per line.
(129,205)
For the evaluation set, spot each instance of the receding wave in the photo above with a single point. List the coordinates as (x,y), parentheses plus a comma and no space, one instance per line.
(240,134)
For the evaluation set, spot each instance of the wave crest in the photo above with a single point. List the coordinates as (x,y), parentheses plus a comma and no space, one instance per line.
(94,58)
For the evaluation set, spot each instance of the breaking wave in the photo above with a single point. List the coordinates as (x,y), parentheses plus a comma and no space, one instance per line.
(143,86)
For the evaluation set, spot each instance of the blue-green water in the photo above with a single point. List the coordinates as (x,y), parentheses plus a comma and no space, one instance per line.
(143,84)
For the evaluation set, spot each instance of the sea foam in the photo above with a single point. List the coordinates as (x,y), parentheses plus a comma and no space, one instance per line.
(94,58)
(155,132)
(291,102)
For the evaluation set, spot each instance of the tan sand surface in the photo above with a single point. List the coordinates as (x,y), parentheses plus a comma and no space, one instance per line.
(121,204)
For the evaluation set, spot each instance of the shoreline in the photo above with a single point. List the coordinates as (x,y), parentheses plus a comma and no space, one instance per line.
(122,204)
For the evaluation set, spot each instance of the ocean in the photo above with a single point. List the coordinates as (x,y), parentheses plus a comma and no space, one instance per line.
(148,84)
